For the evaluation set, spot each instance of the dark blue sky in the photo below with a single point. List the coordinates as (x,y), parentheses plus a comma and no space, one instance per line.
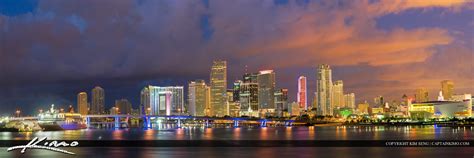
(51,50)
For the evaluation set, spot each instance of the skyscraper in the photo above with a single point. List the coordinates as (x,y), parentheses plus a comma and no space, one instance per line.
(98,101)
(324,90)
(447,87)
(349,100)
(248,96)
(219,88)
(302,97)
(266,89)
(166,100)
(145,101)
(379,101)
(123,106)
(338,94)
(197,98)
(82,103)
(421,95)
(281,101)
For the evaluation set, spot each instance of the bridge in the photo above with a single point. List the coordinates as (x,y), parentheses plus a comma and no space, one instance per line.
(147,120)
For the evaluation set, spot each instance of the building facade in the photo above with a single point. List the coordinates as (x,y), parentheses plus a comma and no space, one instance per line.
(302,95)
(421,95)
(266,89)
(324,90)
(197,98)
(218,87)
(338,94)
(447,87)
(82,104)
(98,100)
(166,100)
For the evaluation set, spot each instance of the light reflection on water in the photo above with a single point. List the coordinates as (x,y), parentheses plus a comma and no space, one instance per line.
(267,133)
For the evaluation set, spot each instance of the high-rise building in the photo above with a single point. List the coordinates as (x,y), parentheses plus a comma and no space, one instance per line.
(197,98)
(98,100)
(123,106)
(421,95)
(234,106)
(447,87)
(248,96)
(266,89)
(281,101)
(338,94)
(82,103)
(166,100)
(379,101)
(236,90)
(145,101)
(302,97)
(349,100)
(324,90)
(219,88)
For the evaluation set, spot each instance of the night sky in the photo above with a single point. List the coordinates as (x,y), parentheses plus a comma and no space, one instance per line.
(52,49)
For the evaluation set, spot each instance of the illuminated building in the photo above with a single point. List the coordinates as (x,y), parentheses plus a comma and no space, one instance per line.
(440,109)
(467,99)
(447,87)
(302,97)
(421,95)
(248,96)
(337,94)
(197,98)
(236,91)
(345,112)
(349,100)
(281,101)
(166,100)
(363,108)
(234,106)
(324,90)
(294,109)
(123,106)
(98,101)
(379,101)
(266,89)
(219,88)
(145,101)
(378,110)
(82,103)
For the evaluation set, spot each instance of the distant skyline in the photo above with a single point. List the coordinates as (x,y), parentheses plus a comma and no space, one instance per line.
(52,50)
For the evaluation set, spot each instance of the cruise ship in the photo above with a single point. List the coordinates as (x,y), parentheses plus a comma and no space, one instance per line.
(53,120)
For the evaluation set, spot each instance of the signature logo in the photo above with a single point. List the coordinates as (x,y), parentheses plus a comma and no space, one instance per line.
(45,145)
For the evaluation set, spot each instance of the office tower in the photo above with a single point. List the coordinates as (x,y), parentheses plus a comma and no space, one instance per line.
(145,101)
(236,90)
(281,101)
(447,87)
(82,103)
(324,90)
(338,94)
(363,108)
(219,88)
(421,95)
(166,100)
(197,98)
(266,89)
(248,96)
(379,101)
(349,100)
(98,101)
(302,97)
(123,106)
(234,106)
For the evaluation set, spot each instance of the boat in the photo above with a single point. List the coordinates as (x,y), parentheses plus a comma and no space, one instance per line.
(53,120)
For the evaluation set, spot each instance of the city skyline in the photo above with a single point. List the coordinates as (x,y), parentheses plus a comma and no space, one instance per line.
(386,48)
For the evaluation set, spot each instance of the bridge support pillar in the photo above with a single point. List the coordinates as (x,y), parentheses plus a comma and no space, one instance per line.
(117,122)
(263,123)
(179,122)
(207,124)
(236,123)
(88,122)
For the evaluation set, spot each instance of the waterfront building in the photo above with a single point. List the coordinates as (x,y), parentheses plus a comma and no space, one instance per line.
(219,88)
(324,90)
(82,103)
(440,109)
(467,99)
(379,101)
(337,94)
(166,100)
(349,100)
(294,109)
(248,96)
(98,100)
(236,90)
(123,106)
(421,95)
(281,101)
(302,97)
(376,110)
(197,98)
(447,87)
(234,105)
(145,101)
(363,108)
(266,89)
